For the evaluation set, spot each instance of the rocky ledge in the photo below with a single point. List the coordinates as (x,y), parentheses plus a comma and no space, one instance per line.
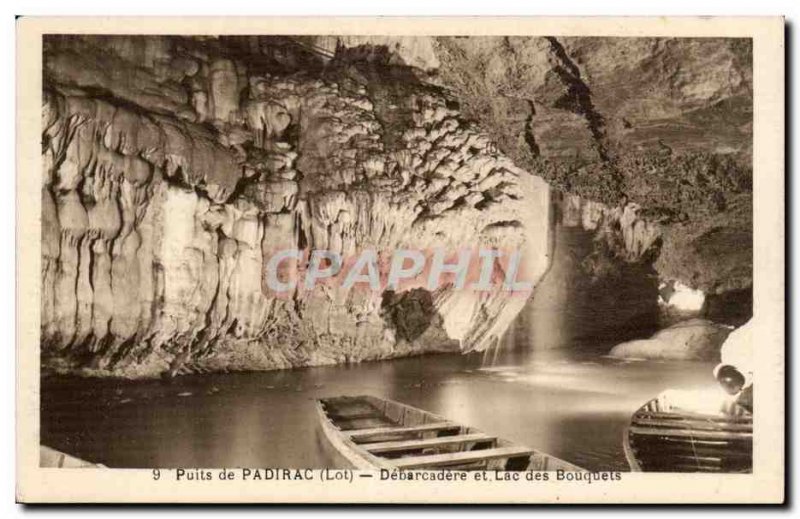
(695,339)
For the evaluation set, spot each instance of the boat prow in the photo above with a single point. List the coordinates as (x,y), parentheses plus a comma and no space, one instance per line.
(367,432)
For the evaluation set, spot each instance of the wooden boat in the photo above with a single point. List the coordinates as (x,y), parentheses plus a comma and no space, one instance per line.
(371,433)
(51,458)
(663,437)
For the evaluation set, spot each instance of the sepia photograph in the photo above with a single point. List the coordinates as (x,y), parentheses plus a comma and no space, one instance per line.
(424,256)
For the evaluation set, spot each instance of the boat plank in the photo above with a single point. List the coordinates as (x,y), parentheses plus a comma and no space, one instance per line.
(436,460)
(426,443)
(727,418)
(380,431)
(656,449)
(697,424)
(693,433)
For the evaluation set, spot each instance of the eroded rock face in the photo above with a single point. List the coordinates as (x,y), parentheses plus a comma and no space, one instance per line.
(636,235)
(174,168)
(665,124)
(412,51)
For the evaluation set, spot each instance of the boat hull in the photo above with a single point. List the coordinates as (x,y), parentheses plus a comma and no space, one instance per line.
(368,433)
(664,438)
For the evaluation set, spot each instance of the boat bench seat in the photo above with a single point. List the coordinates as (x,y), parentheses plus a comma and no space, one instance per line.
(425,443)
(456,458)
(361,434)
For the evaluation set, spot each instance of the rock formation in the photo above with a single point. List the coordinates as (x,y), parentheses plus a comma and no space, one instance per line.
(174,167)
(658,128)
(695,339)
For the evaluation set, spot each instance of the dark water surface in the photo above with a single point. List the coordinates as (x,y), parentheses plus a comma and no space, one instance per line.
(549,386)
(570,405)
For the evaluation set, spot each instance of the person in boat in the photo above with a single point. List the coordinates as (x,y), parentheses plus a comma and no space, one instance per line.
(735,371)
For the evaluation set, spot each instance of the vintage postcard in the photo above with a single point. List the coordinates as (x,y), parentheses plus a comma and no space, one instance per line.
(400,260)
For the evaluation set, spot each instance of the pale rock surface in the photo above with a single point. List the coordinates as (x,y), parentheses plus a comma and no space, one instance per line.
(160,214)
(695,339)
(406,50)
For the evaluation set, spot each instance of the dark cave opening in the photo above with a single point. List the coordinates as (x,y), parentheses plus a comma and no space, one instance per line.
(410,313)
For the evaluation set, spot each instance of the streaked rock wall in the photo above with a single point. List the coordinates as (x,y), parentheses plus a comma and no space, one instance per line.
(174,167)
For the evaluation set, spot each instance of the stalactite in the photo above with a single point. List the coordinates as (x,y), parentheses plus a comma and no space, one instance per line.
(167,215)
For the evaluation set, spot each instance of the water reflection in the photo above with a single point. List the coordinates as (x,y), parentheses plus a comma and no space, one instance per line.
(565,403)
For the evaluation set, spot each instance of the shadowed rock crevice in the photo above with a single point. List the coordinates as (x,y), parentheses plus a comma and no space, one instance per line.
(578,98)
(529,136)
(409,313)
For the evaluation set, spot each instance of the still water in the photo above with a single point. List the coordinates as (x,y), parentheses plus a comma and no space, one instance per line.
(574,406)
(549,386)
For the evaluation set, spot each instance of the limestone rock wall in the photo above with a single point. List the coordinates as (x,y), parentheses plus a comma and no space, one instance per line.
(659,128)
(662,125)
(174,167)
